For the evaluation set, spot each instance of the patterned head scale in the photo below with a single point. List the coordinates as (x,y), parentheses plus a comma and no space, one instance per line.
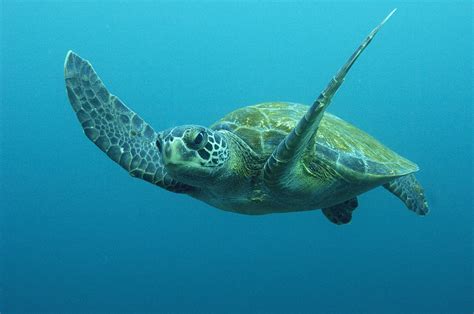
(192,151)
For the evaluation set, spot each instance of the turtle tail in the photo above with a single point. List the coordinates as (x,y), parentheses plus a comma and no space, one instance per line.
(410,191)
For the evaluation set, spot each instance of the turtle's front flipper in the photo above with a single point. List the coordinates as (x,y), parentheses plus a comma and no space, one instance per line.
(410,191)
(113,127)
(280,164)
(341,213)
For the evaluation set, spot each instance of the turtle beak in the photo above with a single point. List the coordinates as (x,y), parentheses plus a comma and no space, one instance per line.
(163,141)
(172,150)
(167,152)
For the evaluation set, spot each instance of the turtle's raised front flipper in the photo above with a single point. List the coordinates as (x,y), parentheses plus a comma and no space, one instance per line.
(113,127)
(280,164)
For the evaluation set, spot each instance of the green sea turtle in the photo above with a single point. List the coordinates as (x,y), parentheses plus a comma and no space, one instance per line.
(266,158)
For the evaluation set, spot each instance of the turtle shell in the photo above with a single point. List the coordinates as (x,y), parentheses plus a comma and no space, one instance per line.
(338,143)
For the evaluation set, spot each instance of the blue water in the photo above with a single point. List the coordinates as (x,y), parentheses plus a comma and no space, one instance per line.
(79,234)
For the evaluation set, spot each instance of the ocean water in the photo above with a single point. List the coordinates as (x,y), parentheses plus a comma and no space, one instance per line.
(77,233)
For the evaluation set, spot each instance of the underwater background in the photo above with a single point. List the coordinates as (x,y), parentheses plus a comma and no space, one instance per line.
(77,233)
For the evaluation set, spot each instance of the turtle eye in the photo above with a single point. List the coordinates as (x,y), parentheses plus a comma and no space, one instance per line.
(199,140)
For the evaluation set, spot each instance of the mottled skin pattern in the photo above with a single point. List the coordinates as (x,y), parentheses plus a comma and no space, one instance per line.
(113,127)
(267,158)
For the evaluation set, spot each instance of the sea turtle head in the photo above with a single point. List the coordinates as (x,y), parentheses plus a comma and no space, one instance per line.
(192,154)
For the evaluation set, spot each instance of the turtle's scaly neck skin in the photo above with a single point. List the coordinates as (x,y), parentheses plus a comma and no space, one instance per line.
(238,187)
(243,160)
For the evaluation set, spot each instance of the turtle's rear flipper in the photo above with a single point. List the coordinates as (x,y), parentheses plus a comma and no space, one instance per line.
(410,191)
(341,213)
